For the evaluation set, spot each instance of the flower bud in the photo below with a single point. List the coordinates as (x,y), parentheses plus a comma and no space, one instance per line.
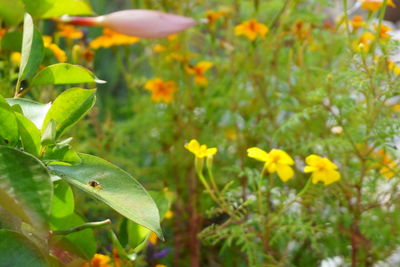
(137,22)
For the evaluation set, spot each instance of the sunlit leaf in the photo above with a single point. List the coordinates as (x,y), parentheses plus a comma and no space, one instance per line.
(115,187)
(34,111)
(32,49)
(64,73)
(69,107)
(57,8)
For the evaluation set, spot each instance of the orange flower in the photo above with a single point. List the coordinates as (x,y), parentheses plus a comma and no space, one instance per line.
(3,32)
(213,16)
(161,91)
(69,32)
(111,38)
(98,260)
(364,42)
(374,5)
(58,53)
(251,29)
(153,238)
(357,22)
(198,71)
(388,165)
(383,31)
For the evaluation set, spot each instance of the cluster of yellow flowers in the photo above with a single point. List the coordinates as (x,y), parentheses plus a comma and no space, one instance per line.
(111,38)
(321,169)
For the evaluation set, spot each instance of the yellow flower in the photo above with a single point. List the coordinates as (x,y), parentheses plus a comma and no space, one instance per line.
(213,16)
(322,169)
(200,151)
(374,5)
(58,53)
(393,67)
(389,166)
(251,29)
(275,161)
(153,238)
(15,58)
(161,265)
(69,32)
(383,31)
(169,214)
(99,260)
(357,22)
(198,71)
(158,48)
(111,38)
(161,91)
(364,42)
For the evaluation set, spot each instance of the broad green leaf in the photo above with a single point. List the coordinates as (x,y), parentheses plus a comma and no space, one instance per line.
(138,235)
(82,243)
(32,49)
(12,41)
(64,73)
(25,186)
(116,188)
(69,107)
(8,126)
(57,8)
(34,111)
(29,134)
(63,200)
(17,251)
(12,12)
(64,154)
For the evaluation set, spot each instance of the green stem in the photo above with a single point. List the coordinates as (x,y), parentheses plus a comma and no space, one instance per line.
(90,225)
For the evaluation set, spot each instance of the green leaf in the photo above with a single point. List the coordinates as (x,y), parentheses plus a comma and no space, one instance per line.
(64,154)
(17,251)
(137,236)
(63,200)
(29,134)
(34,111)
(8,126)
(116,188)
(32,49)
(64,73)
(57,8)
(69,107)
(12,12)
(49,134)
(25,186)
(82,243)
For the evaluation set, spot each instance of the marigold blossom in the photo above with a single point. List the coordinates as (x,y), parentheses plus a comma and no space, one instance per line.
(112,38)
(364,42)
(388,165)
(213,16)
(161,91)
(383,31)
(322,169)
(69,31)
(198,71)
(99,260)
(58,53)
(374,5)
(357,22)
(200,151)
(275,161)
(251,29)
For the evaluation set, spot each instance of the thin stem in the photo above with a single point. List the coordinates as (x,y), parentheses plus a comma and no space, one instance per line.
(90,225)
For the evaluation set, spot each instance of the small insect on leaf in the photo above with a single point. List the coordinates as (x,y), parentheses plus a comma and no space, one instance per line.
(95,184)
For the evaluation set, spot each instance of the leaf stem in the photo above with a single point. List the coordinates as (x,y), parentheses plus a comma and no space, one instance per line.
(90,225)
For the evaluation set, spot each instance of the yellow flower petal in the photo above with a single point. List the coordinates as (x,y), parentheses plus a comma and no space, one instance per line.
(285,172)
(257,153)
